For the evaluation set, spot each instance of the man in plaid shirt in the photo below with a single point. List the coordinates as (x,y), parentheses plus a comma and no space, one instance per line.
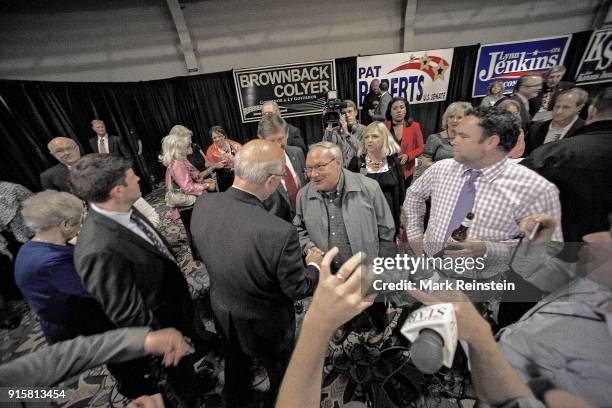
(502,194)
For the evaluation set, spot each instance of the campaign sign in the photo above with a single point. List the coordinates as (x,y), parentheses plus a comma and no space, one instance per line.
(299,89)
(418,76)
(596,64)
(506,62)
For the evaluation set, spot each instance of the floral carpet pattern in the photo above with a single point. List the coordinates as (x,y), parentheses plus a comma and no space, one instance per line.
(362,363)
(96,388)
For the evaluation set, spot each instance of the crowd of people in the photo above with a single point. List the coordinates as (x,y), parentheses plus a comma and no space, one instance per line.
(275,221)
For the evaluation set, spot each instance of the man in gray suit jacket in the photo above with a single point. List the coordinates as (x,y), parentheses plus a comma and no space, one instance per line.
(282,201)
(381,110)
(65,359)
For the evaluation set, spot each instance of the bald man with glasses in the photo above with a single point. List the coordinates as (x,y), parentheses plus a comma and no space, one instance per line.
(67,152)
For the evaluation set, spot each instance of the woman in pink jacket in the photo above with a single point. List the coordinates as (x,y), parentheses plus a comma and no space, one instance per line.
(185,176)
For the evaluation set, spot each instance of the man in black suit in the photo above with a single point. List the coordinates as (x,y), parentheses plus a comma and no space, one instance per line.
(526,88)
(564,123)
(67,152)
(256,271)
(128,267)
(294,135)
(282,201)
(582,170)
(369,101)
(103,143)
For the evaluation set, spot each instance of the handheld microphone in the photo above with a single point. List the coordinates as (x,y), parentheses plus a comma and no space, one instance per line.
(432,330)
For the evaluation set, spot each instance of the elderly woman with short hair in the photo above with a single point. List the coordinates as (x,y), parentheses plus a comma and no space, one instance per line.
(377,159)
(45,273)
(179,170)
(438,145)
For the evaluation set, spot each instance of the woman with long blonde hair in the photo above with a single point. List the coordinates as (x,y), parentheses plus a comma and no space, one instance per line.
(377,159)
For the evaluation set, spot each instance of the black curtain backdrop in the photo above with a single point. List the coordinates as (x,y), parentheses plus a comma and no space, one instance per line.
(33,112)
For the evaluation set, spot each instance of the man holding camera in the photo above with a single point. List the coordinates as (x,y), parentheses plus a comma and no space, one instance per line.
(349,132)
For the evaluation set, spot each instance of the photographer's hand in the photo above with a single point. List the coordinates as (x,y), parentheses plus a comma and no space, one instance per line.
(344,125)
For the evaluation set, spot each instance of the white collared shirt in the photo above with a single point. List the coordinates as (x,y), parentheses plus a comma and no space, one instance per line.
(551,136)
(124,218)
(104,140)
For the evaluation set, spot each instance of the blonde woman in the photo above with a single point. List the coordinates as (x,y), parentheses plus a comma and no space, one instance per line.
(438,146)
(377,159)
(175,149)
(495,91)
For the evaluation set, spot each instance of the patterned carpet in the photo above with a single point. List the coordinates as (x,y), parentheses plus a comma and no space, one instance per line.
(96,388)
(362,364)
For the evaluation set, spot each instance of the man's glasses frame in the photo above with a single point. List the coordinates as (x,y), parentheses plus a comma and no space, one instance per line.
(318,168)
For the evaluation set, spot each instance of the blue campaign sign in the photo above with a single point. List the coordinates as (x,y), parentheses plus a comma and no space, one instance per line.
(506,62)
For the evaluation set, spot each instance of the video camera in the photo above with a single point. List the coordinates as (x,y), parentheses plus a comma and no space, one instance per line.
(332,109)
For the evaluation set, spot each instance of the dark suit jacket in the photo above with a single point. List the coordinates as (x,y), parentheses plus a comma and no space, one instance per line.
(368,103)
(56,178)
(116,146)
(278,203)
(525,114)
(295,138)
(381,110)
(256,270)
(538,130)
(581,169)
(135,283)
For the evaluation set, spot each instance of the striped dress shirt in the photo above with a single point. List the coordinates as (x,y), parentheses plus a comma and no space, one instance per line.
(506,193)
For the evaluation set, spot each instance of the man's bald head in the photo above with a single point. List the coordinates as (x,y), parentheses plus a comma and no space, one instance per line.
(65,150)
(257,160)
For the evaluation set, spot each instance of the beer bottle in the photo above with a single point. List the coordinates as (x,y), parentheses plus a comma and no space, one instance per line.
(460,234)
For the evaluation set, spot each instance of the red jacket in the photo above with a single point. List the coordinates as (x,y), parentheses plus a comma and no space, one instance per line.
(410,145)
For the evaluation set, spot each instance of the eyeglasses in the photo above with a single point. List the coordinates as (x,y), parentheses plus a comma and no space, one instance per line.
(63,150)
(319,168)
(278,175)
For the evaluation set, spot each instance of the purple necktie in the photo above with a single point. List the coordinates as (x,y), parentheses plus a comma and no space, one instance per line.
(465,203)
(157,243)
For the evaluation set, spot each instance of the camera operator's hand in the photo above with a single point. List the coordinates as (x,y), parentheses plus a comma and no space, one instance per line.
(344,125)
(547,227)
